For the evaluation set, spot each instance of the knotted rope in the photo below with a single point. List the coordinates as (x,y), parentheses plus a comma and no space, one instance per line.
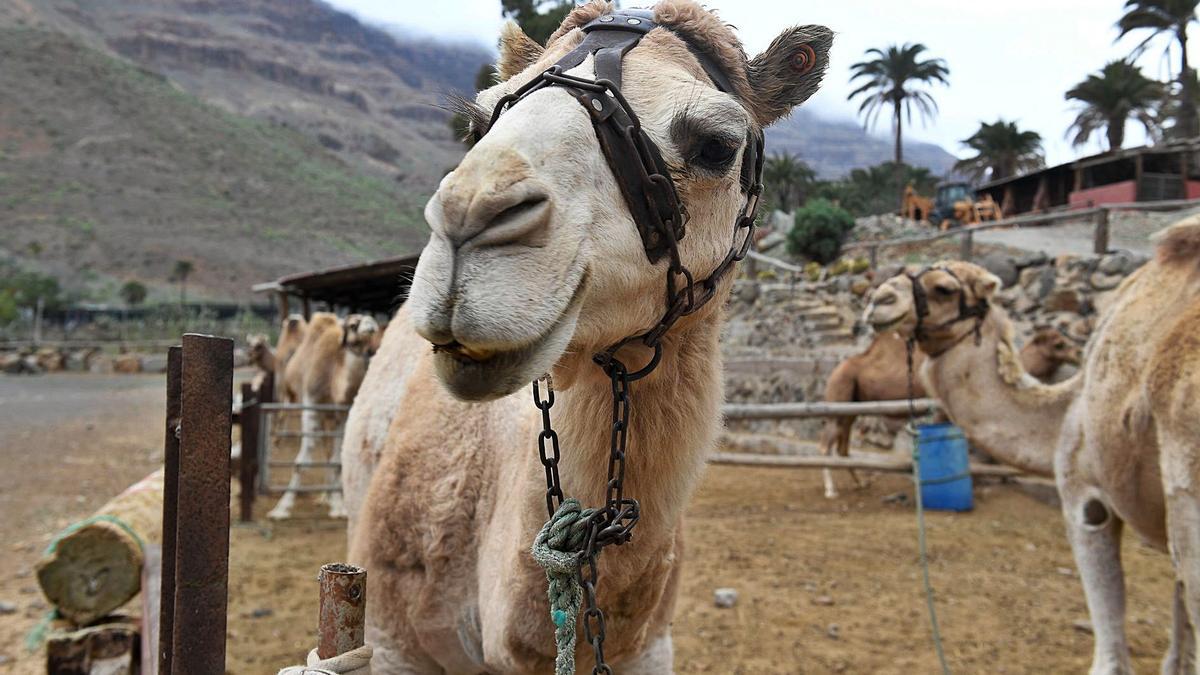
(557,548)
(353,662)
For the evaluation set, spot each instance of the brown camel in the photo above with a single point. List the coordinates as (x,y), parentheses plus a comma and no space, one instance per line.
(274,360)
(326,368)
(534,265)
(881,374)
(1121,436)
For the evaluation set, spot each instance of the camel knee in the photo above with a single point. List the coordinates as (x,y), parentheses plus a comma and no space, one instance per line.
(1094,514)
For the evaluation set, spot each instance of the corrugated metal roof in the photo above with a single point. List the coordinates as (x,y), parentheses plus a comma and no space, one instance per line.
(379,286)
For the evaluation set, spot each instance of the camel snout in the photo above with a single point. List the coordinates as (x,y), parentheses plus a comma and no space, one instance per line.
(492,201)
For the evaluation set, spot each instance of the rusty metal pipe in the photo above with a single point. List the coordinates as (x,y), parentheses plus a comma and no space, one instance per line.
(343,609)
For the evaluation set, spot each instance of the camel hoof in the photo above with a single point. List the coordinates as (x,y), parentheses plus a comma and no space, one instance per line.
(831,494)
(279,514)
(338,512)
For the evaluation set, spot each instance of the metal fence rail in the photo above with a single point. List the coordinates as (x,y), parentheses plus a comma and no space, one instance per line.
(268,434)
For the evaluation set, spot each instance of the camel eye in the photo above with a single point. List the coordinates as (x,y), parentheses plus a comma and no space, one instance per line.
(714,153)
(945,291)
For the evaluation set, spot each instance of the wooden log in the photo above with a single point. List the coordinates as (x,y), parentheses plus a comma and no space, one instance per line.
(106,649)
(879,463)
(95,566)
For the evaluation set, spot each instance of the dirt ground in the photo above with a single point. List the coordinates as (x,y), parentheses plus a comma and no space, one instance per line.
(824,585)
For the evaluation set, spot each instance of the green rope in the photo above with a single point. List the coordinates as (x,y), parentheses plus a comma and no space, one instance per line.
(933,620)
(103,517)
(557,548)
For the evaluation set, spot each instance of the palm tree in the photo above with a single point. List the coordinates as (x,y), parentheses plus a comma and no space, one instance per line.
(893,79)
(1109,99)
(1167,17)
(1002,150)
(786,175)
(183,269)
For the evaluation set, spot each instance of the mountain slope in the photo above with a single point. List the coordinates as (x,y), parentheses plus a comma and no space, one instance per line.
(362,92)
(109,173)
(834,147)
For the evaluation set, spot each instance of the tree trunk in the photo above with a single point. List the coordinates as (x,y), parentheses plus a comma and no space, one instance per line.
(1187,108)
(1116,133)
(899,169)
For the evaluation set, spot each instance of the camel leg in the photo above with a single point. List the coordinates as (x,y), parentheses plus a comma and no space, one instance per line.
(1181,655)
(309,423)
(829,439)
(845,427)
(1183,533)
(1095,535)
(337,506)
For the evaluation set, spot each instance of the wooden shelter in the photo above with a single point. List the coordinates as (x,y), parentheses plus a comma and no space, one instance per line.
(377,287)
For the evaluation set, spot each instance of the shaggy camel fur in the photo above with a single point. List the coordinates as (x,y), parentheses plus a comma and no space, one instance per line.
(327,368)
(1124,431)
(881,374)
(533,266)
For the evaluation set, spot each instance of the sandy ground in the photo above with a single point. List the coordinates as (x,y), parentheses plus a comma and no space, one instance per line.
(824,586)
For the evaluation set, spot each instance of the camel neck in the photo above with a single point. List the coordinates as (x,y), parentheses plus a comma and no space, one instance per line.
(674,418)
(1003,409)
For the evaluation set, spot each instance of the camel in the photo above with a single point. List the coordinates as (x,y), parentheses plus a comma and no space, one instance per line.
(1120,437)
(327,367)
(274,360)
(881,374)
(533,266)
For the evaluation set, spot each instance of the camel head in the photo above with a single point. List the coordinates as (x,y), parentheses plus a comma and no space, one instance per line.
(359,333)
(535,252)
(258,348)
(1056,348)
(956,294)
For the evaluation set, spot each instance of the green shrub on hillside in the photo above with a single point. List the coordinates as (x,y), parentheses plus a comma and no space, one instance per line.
(819,230)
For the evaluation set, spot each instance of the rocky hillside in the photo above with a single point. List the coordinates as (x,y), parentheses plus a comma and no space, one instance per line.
(834,147)
(361,92)
(110,173)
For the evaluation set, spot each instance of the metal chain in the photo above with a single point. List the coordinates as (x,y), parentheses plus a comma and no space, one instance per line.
(548,435)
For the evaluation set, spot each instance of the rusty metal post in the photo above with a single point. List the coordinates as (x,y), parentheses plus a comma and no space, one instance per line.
(166,613)
(248,421)
(1100,236)
(873,254)
(968,246)
(202,529)
(343,609)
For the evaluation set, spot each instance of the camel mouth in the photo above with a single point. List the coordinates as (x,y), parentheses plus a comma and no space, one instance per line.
(885,325)
(482,374)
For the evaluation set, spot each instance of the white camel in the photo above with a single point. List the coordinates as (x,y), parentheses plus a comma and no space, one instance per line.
(534,265)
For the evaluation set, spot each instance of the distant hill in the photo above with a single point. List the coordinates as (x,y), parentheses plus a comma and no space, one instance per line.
(109,173)
(369,95)
(834,147)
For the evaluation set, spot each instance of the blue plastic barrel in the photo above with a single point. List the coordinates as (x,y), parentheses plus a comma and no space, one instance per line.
(944,469)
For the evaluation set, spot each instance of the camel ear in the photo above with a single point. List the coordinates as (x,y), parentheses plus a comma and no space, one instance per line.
(518,51)
(789,71)
(986,285)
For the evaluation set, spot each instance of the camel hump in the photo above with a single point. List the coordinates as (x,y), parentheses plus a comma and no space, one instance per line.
(1180,243)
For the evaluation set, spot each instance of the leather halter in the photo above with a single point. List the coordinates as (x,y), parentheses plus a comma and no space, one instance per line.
(636,162)
(965,312)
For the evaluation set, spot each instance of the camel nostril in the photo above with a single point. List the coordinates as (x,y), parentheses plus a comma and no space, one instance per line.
(517,211)
(888,299)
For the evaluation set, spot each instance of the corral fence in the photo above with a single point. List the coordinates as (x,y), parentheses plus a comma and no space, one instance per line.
(264,423)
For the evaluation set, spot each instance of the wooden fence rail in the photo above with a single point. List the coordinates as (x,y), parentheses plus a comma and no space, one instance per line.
(769,411)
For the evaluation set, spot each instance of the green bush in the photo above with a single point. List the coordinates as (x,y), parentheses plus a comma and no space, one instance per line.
(819,230)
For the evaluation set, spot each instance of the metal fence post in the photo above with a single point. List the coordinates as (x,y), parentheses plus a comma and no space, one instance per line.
(968,245)
(873,256)
(202,510)
(1100,236)
(248,422)
(166,614)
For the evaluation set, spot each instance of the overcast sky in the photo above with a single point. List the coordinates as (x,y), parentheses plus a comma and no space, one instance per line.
(1012,60)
